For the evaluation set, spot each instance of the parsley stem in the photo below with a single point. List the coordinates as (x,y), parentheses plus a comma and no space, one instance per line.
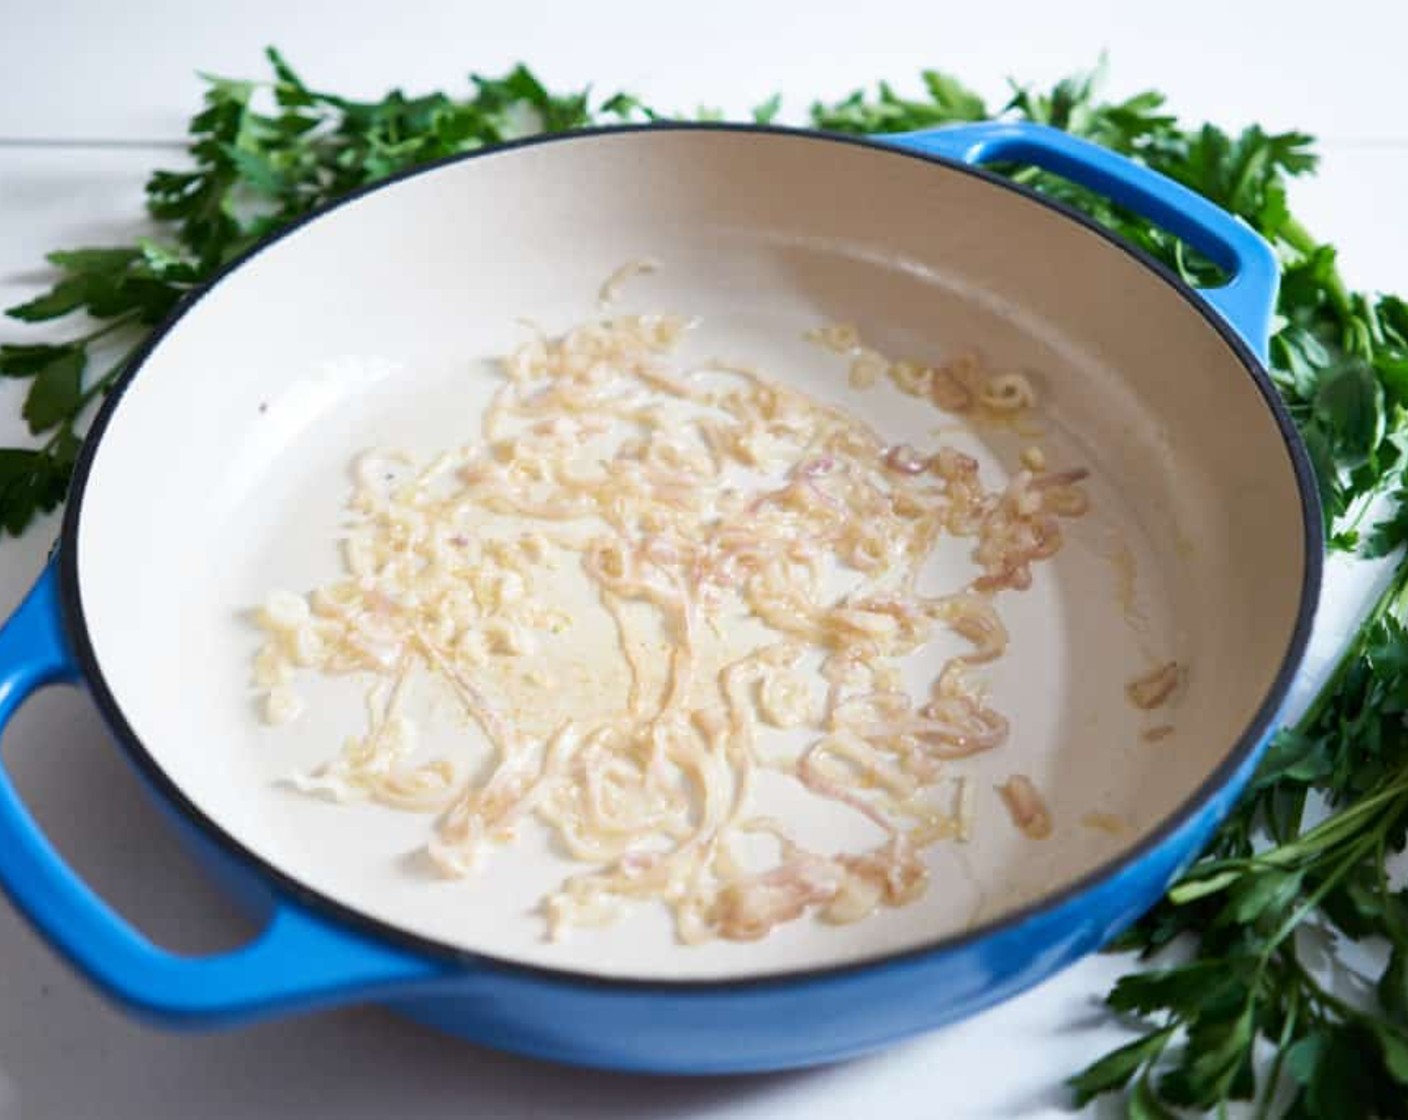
(102,384)
(106,329)
(1347,862)
(1339,824)
(1364,504)
(1273,1076)
(1308,985)
(1294,234)
(61,432)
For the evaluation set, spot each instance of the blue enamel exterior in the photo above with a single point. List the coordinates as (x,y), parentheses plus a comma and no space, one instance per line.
(1246,301)
(310,954)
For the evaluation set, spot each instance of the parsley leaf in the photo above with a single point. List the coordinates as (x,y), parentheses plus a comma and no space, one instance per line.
(56,391)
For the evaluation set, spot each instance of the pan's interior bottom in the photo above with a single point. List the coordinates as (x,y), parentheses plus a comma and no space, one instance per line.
(377,327)
(1096,616)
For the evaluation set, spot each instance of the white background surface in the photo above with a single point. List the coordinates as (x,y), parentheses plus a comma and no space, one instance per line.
(91,74)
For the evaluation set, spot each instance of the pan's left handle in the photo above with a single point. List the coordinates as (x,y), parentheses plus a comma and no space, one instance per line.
(1246,301)
(298,961)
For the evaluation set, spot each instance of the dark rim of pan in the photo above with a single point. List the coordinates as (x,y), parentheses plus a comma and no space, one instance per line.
(378,929)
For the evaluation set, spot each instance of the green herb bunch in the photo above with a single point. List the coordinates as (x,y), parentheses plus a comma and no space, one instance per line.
(1301,863)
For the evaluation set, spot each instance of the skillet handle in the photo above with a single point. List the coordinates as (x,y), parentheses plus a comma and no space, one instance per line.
(1246,301)
(297,961)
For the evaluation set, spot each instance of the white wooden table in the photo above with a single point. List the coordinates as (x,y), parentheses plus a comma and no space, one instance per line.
(96,96)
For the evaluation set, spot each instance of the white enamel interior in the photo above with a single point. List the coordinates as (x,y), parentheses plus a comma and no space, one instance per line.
(223,474)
